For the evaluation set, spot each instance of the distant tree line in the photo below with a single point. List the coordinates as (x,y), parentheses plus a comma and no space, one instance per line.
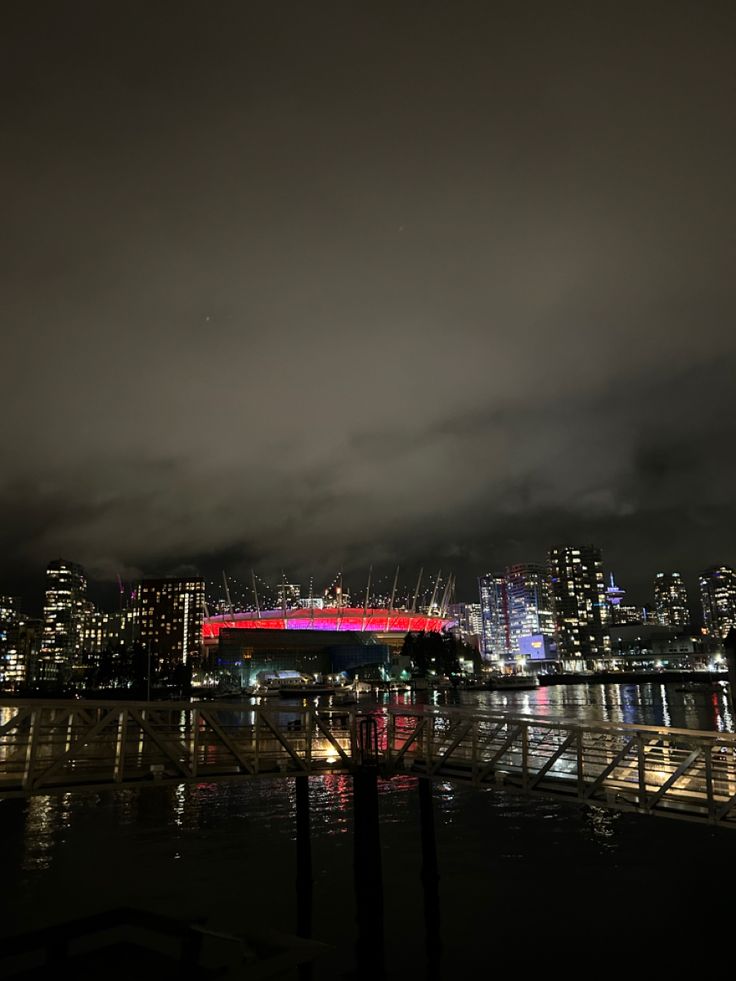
(133,669)
(438,653)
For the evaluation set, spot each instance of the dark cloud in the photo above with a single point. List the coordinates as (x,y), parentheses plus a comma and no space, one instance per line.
(323,286)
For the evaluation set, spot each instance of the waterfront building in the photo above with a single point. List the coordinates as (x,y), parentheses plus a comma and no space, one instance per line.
(529,607)
(468,622)
(718,596)
(670,600)
(622,614)
(170,617)
(12,668)
(27,640)
(65,612)
(495,639)
(20,646)
(104,631)
(645,644)
(580,604)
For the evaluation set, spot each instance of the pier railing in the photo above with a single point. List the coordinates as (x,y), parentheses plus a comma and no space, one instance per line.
(59,746)
(55,746)
(680,773)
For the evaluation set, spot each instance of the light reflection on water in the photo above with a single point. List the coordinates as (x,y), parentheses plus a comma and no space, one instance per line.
(228,849)
(645,704)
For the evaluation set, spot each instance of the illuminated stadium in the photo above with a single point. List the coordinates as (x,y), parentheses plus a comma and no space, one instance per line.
(373,620)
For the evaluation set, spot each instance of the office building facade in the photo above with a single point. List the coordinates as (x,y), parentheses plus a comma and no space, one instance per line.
(529,605)
(12,665)
(670,600)
(580,602)
(495,640)
(65,612)
(468,622)
(718,597)
(170,620)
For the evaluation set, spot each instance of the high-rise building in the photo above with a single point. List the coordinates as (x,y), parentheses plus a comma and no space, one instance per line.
(65,611)
(580,605)
(495,640)
(27,639)
(528,603)
(670,600)
(718,596)
(12,667)
(103,630)
(20,645)
(171,612)
(469,622)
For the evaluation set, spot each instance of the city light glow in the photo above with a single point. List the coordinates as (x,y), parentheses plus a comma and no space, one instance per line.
(346,618)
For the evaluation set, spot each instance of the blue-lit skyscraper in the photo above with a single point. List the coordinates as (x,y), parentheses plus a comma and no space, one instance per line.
(494,615)
(529,604)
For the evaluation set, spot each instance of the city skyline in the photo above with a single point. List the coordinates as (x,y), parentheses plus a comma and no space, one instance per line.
(567,611)
(108,595)
(524,602)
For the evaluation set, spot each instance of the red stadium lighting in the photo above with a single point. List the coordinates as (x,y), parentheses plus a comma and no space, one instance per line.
(344,619)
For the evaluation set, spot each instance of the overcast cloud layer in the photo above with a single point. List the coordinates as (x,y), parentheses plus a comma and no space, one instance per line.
(313,286)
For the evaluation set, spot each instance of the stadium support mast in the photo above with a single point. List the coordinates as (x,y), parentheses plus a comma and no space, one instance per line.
(367,590)
(311,600)
(416,591)
(446,594)
(393,590)
(434,592)
(367,594)
(255,594)
(391,601)
(227,594)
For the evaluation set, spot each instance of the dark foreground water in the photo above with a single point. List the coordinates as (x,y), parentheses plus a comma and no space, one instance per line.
(539,883)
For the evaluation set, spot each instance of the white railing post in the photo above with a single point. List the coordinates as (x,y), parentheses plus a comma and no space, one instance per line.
(257,738)
(31,749)
(581,764)
(194,741)
(525,754)
(708,755)
(642,772)
(120,746)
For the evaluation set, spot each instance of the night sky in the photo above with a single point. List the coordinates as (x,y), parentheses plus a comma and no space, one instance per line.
(312,286)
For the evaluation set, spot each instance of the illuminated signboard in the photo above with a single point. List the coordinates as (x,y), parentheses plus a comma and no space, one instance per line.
(537,647)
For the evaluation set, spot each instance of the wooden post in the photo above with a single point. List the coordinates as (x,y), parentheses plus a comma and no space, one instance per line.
(303,834)
(368,875)
(430,879)
(303,868)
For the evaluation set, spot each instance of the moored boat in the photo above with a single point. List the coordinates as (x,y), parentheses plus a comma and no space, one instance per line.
(514,682)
